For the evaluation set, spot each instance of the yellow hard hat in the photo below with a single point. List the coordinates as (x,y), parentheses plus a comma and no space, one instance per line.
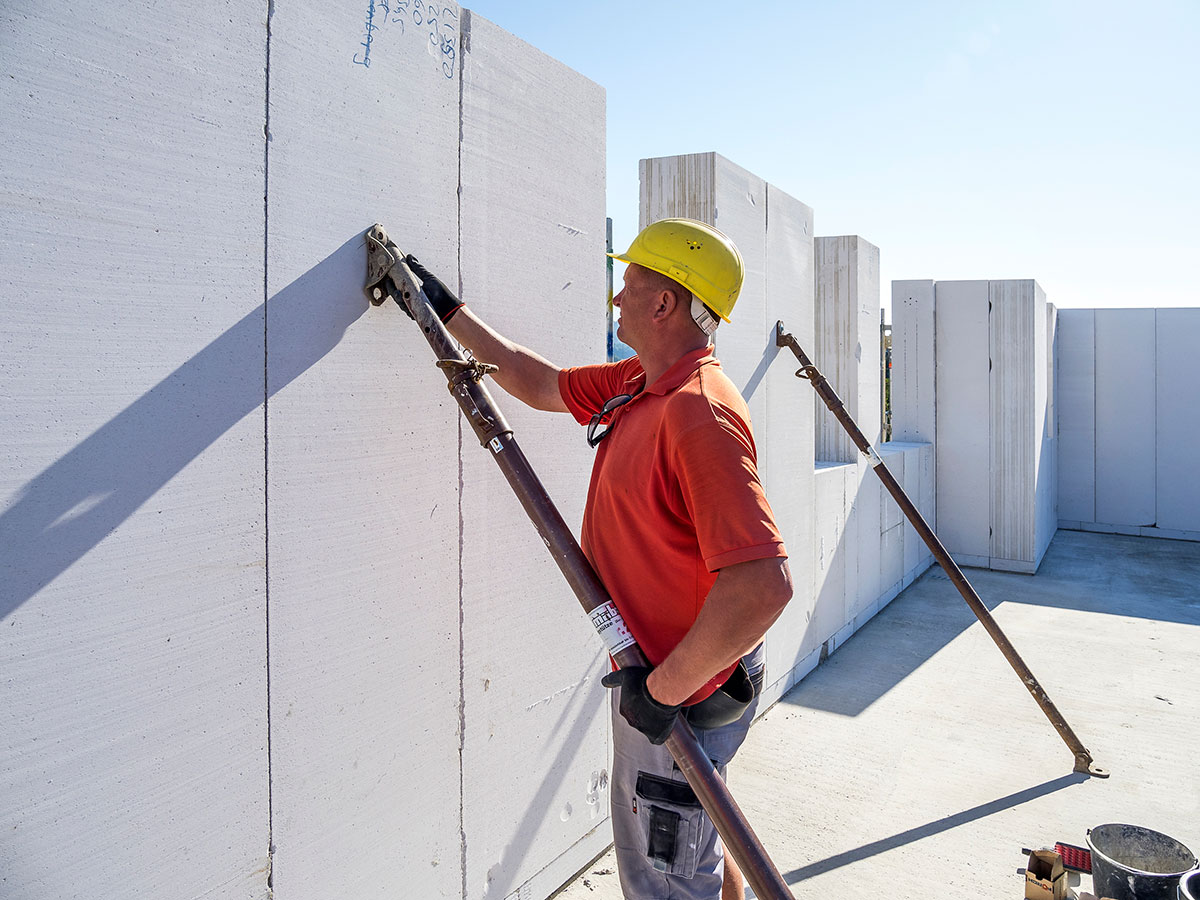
(696,255)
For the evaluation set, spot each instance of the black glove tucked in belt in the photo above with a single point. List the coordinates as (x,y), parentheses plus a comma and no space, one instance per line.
(653,719)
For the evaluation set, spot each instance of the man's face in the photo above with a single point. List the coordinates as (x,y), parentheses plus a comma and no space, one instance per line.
(636,302)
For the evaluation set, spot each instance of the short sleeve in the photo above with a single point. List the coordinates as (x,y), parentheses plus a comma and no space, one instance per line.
(718,475)
(585,389)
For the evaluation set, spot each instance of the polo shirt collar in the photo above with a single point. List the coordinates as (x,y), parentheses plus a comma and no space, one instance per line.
(681,370)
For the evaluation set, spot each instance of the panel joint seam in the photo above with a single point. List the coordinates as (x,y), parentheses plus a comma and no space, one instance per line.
(266,453)
(464,46)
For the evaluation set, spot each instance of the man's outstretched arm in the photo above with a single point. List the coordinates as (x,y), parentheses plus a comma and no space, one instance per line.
(523,373)
(527,376)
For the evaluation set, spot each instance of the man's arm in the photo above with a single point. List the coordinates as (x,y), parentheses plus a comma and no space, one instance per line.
(744,602)
(524,374)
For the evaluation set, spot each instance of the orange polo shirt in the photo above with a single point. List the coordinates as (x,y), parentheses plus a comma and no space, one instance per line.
(674,496)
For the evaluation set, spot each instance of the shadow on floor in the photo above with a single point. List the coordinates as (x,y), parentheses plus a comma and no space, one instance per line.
(1118,575)
(883,845)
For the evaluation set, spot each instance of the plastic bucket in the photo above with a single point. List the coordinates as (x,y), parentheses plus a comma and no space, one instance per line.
(1132,863)
(1189,886)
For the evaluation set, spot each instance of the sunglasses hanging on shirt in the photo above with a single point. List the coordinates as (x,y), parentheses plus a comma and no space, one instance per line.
(601,424)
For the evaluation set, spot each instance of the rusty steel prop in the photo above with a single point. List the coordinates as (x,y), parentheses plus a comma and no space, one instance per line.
(388,277)
(809,372)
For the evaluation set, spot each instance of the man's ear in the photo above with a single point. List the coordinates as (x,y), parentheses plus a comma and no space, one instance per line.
(667,301)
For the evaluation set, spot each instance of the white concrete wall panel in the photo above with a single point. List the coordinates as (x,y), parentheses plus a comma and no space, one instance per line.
(852,547)
(678,186)
(746,344)
(923,498)
(911,483)
(891,547)
(830,610)
(865,516)
(692,186)
(928,502)
(1015,418)
(1177,335)
(893,457)
(535,751)
(846,349)
(836,347)
(1046,500)
(963,452)
(913,406)
(1076,394)
(867,353)
(1125,417)
(363,463)
(785,435)
(132,594)
(779,257)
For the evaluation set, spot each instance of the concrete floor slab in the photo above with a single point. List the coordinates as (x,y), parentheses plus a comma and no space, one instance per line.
(913,763)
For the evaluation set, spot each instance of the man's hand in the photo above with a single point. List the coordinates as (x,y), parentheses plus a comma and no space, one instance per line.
(653,719)
(443,301)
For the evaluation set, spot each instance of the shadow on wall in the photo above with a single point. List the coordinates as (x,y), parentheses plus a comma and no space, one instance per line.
(770,351)
(505,876)
(83,497)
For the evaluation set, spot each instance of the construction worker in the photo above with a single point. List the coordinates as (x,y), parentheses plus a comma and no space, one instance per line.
(679,530)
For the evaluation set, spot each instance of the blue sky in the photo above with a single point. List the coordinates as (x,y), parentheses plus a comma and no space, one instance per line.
(1055,140)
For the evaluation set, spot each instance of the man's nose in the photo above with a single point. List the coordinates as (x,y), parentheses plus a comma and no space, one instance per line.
(617,298)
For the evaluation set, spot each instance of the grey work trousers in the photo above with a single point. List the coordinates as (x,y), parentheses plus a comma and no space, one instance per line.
(666,846)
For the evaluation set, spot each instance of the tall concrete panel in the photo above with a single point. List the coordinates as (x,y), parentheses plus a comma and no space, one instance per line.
(532,213)
(778,253)
(710,188)
(1046,501)
(683,186)
(785,435)
(1017,336)
(913,363)
(133,733)
(963,452)
(846,348)
(1126,420)
(746,344)
(363,461)
(1177,337)
(1077,415)
(870,377)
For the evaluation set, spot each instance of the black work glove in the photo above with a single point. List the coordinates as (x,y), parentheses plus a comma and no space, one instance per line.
(444,303)
(653,719)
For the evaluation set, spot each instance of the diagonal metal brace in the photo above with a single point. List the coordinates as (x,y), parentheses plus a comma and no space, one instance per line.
(809,372)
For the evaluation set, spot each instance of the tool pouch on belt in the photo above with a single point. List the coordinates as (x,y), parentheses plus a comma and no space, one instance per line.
(727,703)
(670,817)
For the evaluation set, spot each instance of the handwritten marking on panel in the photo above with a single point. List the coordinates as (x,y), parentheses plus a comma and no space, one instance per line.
(435,22)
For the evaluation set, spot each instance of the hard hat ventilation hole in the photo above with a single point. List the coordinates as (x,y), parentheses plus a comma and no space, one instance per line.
(695,245)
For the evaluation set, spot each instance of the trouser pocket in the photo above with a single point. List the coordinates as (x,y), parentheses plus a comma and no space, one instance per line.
(669,817)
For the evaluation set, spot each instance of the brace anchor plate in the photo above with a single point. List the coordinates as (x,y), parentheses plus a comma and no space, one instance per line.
(1084,764)
(381,256)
